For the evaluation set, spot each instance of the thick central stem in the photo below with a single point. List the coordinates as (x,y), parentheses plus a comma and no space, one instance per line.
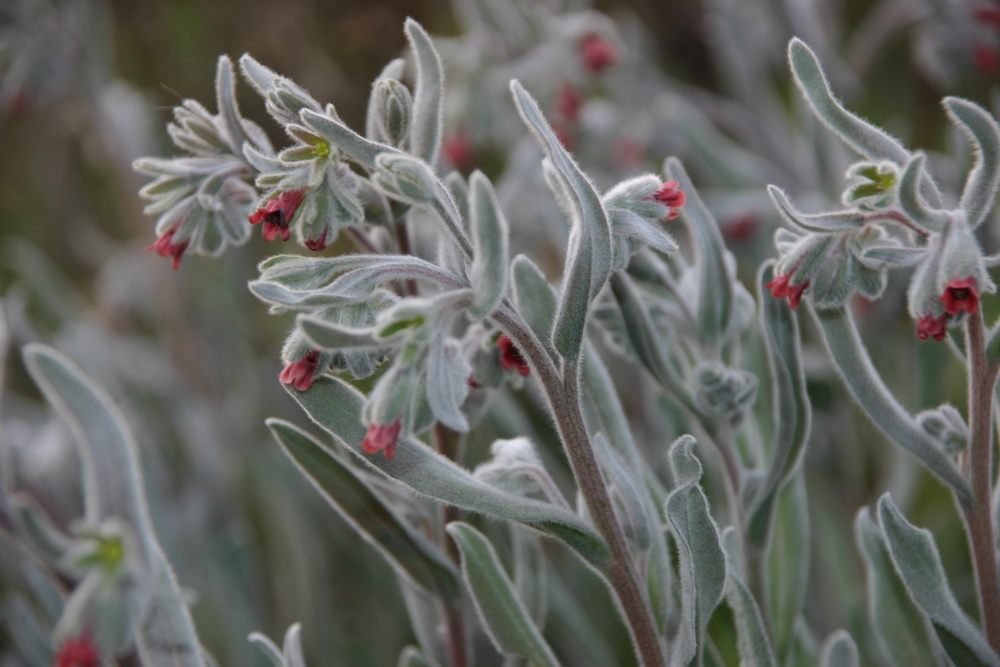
(979,518)
(563,393)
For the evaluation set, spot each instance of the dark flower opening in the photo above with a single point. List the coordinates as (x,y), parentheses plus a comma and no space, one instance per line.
(277,213)
(960,295)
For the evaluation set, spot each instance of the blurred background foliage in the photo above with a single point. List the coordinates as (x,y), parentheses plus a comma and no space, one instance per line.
(87,86)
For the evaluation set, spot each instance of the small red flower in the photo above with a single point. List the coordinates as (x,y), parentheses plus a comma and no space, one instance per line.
(301,373)
(932,327)
(317,244)
(672,196)
(597,53)
(165,247)
(459,150)
(381,438)
(277,213)
(988,16)
(568,102)
(742,228)
(960,294)
(78,652)
(510,356)
(780,288)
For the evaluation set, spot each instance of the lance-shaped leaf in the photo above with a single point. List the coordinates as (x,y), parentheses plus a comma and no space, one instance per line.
(331,336)
(896,256)
(646,339)
(751,637)
(335,406)
(34,528)
(392,71)
(411,657)
(701,561)
(834,221)
(715,284)
(839,650)
(792,413)
(503,614)
(637,522)
(589,257)
(981,185)
(788,563)
(113,488)
(428,94)
(363,151)
(409,553)
(448,374)
(489,241)
(225,92)
(901,628)
(918,563)
(859,374)
(30,641)
(536,300)
(911,201)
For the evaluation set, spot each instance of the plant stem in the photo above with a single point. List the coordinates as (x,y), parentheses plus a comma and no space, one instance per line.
(979,517)
(562,391)
(457,655)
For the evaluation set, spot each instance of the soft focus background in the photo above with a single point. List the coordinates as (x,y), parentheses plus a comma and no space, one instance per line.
(88,86)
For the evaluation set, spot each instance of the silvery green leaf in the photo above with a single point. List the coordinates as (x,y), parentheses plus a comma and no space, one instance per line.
(35,530)
(902,630)
(504,615)
(911,201)
(47,593)
(353,144)
(645,338)
(868,140)
(489,240)
(715,282)
(225,92)
(270,649)
(291,648)
(536,300)
(428,94)
(425,614)
(395,105)
(27,636)
(334,406)
(918,563)
(839,650)
(637,522)
(869,391)
(701,561)
(459,191)
(878,256)
(791,411)
(983,182)
(260,77)
(393,70)
(405,178)
(113,488)
(633,226)
(301,272)
(111,613)
(409,553)
(788,563)
(835,221)
(529,572)
(588,260)
(326,335)
(751,636)
(411,657)
(448,375)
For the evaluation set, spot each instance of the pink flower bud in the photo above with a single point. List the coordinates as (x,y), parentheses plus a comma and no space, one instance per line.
(597,53)
(932,327)
(277,213)
(381,438)
(671,196)
(78,652)
(780,288)
(510,356)
(165,247)
(303,372)
(317,244)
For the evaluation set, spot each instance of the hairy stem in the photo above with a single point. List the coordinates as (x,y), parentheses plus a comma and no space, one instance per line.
(444,441)
(562,391)
(978,517)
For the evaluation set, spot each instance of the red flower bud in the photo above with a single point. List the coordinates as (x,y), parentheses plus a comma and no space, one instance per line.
(317,244)
(510,356)
(302,373)
(381,438)
(671,196)
(597,53)
(780,288)
(78,652)
(932,327)
(165,247)
(277,213)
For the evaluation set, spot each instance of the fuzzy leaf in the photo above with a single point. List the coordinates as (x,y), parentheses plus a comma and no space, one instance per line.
(428,94)
(335,406)
(637,523)
(902,629)
(918,563)
(326,335)
(489,239)
(33,527)
(536,300)
(751,637)
(448,375)
(113,488)
(715,285)
(588,260)
(409,553)
(869,391)
(701,561)
(792,413)
(980,192)
(225,91)
(910,200)
(839,650)
(270,649)
(503,614)
(836,221)
(788,563)
(363,151)
(411,657)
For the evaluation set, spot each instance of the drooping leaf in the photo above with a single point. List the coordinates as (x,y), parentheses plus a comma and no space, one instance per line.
(503,614)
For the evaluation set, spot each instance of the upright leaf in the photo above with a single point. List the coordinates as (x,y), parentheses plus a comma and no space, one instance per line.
(428,94)
(113,488)
(751,636)
(839,650)
(489,240)
(981,185)
(788,563)
(918,563)
(503,614)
